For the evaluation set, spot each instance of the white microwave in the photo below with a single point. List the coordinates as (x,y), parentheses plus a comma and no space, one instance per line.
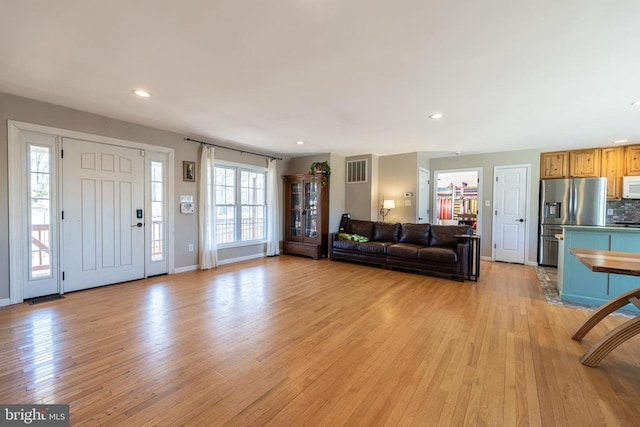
(631,187)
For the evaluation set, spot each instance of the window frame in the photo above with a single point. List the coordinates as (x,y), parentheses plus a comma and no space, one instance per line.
(238,168)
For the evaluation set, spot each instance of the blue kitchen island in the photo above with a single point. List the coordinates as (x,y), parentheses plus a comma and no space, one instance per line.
(581,285)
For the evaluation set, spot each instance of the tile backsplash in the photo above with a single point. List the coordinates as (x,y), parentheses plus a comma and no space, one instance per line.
(623,210)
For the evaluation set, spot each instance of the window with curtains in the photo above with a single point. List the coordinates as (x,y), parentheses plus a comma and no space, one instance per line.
(240,204)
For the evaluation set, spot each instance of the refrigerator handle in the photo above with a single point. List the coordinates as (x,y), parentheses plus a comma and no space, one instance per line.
(572,204)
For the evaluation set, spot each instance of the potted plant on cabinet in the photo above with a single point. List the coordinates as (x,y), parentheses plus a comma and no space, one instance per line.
(322,168)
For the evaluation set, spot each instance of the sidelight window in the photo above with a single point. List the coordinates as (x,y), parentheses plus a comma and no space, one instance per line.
(40,211)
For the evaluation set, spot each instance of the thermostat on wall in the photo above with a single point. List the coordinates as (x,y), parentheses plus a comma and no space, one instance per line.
(187,208)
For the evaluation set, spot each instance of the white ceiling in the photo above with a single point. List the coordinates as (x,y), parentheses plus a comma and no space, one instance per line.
(346,76)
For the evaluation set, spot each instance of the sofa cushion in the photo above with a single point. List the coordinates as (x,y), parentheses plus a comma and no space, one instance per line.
(345,244)
(404,250)
(437,254)
(385,232)
(444,235)
(363,228)
(374,247)
(415,233)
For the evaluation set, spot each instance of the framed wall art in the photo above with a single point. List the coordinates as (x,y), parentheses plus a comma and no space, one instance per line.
(189,171)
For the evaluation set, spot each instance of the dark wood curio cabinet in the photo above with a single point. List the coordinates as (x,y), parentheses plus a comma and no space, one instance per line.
(306,216)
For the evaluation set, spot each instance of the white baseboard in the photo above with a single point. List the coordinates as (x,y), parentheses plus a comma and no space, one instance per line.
(239,259)
(5,301)
(185,269)
(531,263)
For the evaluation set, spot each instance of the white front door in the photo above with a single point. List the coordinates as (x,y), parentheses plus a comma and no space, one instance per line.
(510,221)
(423,196)
(103,205)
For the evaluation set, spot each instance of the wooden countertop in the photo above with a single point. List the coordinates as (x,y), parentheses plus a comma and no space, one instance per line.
(627,263)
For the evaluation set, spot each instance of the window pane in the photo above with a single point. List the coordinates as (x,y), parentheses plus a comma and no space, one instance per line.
(225,224)
(252,227)
(156,191)
(157,249)
(40,212)
(156,172)
(157,211)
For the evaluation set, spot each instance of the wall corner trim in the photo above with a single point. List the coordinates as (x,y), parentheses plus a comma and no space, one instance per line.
(5,301)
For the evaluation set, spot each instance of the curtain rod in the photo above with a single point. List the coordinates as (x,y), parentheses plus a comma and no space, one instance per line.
(233,149)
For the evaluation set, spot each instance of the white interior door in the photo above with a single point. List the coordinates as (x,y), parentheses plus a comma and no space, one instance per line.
(103,224)
(423,195)
(510,221)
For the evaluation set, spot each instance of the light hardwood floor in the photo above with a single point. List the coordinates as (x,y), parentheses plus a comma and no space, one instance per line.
(292,341)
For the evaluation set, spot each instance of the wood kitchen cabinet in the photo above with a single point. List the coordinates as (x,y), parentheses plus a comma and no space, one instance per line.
(584,163)
(612,168)
(554,165)
(307,216)
(632,159)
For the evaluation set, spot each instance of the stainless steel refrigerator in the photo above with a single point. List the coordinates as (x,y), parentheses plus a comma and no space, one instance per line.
(574,201)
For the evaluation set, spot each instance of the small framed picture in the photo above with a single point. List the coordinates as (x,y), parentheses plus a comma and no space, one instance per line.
(189,171)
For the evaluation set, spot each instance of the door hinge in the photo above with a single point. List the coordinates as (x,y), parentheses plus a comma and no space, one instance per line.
(63,275)
(142,153)
(62,215)
(62,154)
(495,246)
(496,213)
(496,179)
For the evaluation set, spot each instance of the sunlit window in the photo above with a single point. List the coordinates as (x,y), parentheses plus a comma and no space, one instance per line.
(240,204)
(40,210)
(157,209)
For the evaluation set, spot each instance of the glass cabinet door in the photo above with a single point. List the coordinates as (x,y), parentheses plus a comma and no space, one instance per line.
(295,210)
(311,209)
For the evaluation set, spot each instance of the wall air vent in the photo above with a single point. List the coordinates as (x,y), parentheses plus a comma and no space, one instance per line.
(357,171)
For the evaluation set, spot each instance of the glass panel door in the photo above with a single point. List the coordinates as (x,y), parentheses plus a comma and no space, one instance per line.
(311,209)
(296,210)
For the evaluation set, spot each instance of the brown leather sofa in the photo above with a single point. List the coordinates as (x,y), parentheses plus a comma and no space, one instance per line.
(424,248)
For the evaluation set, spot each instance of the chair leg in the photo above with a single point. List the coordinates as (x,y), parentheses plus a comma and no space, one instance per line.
(604,311)
(610,341)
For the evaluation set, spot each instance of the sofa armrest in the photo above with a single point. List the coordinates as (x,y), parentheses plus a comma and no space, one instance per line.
(332,238)
(463,255)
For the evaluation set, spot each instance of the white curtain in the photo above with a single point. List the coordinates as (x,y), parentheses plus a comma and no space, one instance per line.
(273,210)
(207,249)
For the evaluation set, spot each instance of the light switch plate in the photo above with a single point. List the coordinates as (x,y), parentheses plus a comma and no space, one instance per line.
(407,202)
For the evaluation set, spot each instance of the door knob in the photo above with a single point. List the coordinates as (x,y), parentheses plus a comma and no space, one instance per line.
(137,225)
(521,220)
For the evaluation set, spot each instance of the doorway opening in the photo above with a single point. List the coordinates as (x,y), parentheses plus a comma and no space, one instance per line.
(457,197)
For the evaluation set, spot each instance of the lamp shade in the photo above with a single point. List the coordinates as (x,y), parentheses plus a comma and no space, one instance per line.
(389,204)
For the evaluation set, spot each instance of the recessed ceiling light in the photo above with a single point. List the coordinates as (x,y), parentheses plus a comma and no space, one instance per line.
(620,141)
(300,142)
(435,116)
(141,93)
(637,103)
